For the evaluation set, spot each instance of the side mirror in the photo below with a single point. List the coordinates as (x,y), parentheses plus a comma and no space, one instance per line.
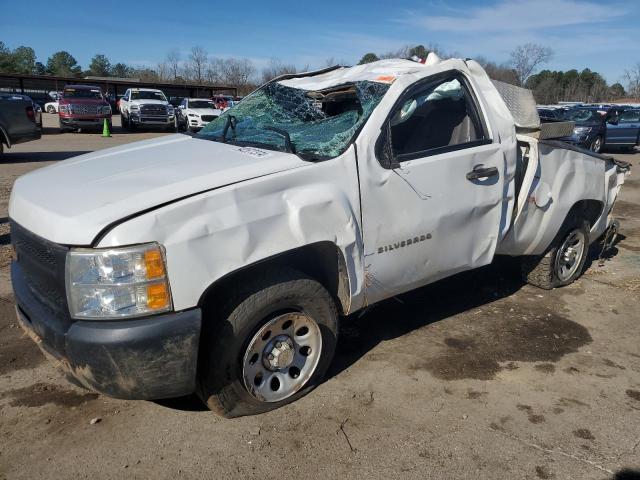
(613,121)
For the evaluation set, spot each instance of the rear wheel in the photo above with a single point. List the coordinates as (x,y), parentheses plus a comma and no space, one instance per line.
(272,346)
(563,263)
(51,109)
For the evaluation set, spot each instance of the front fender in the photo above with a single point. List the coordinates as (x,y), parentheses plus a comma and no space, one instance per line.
(216,233)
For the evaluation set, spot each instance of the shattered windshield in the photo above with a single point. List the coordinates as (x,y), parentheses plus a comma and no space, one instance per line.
(315,125)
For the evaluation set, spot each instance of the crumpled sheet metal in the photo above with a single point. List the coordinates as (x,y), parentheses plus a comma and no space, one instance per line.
(566,177)
(385,71)
(215,233)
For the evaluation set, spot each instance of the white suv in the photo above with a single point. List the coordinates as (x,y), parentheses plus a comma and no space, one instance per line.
(146,107)
(195,113)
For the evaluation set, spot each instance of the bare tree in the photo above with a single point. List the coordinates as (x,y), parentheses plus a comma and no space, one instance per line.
(498,72)
(275,69)
(633,81)
(163,69)
(236,72)
(526,58)
(173,64)
(197,63)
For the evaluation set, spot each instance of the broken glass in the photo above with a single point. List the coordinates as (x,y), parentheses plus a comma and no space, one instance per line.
(320,124)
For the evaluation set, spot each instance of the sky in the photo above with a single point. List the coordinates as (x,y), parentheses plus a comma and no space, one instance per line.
(603,36)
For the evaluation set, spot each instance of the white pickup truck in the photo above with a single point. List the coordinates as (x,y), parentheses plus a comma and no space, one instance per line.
(146,107)
(221,262)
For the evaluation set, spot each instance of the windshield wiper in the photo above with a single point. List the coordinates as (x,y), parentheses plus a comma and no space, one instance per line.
(287,138)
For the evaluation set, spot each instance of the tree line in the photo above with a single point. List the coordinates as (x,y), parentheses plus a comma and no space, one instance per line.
(198,67)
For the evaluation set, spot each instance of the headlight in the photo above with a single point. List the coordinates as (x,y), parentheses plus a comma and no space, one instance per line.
(193,115)
(105,110)
(117,282)
(64,108)
(579,130)
(170,110)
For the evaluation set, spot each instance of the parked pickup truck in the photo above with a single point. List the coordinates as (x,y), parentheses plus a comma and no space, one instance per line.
(83,107)
(146,107)
(19,120)
(221,262)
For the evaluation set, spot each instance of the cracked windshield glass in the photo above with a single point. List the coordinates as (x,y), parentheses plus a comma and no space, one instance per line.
(316,125)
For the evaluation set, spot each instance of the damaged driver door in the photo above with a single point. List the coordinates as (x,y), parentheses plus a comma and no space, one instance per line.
(432,197)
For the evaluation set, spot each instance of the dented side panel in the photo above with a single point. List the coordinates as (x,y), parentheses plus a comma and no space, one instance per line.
(562,178)
(218,232)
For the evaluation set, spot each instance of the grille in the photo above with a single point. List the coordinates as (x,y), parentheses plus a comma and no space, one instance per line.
(84,109)
(42,263)
(208,118)
(153,109)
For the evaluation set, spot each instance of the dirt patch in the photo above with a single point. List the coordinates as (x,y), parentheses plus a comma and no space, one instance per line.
(532,417)
(571,402)
(584,433)
(635,394)
(40,394)
(612,364)
(473,395)
(17,351)
(544,473)
(546,368)
(626,209)
(516,333)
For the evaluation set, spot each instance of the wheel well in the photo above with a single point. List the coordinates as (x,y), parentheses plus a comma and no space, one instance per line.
(323,261)
(588,210)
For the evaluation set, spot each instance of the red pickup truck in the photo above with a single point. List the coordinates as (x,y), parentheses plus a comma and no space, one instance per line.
(83,106)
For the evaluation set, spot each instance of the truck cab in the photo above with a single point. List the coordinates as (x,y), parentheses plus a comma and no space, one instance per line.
(226,272)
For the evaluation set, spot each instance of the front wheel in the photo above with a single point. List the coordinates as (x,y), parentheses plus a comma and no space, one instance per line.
(272,346)
(562,264)
(596,145)
(51,109)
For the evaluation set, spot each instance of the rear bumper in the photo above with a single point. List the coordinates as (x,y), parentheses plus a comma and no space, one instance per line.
(146,358)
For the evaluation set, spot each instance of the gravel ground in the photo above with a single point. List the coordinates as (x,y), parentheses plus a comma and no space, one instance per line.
(477,376)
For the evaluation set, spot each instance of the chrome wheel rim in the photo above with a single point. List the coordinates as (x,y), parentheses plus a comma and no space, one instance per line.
(596,145)
(281,357)
(570,255)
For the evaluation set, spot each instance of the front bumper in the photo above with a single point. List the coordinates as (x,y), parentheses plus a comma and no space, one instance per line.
(145,358)
(80,122)
(152,120)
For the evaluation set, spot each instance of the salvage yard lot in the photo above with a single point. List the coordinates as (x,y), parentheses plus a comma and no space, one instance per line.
(477,376)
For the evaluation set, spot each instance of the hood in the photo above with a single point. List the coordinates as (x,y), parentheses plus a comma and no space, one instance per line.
(204,111)
(72,201)
(82,101)
(588,124)
(150,101)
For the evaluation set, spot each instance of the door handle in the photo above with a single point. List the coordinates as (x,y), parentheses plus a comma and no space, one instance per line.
(480,171)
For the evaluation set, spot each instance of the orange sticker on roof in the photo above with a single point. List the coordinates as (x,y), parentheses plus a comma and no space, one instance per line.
(386,78)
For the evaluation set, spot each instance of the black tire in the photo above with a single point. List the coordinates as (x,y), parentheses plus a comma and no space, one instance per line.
(51,109)
(253,305)
(124,122)
(544,271)
(596,144)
